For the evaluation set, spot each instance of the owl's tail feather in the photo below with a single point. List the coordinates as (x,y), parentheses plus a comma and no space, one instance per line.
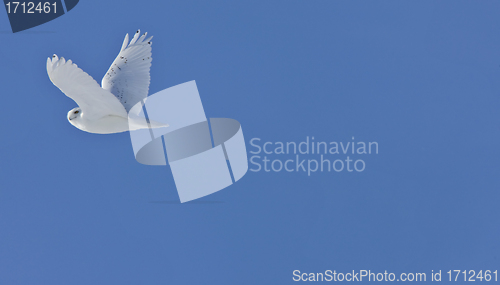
(137,123)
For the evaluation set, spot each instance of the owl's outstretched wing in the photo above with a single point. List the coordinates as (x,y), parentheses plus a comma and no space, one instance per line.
(94,101)
(128,77)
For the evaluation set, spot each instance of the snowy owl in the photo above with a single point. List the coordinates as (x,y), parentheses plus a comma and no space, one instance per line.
(105,110)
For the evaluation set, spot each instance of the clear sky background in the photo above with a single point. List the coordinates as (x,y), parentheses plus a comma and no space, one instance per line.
(422,78)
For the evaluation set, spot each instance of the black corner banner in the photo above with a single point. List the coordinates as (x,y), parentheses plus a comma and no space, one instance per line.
(24,15)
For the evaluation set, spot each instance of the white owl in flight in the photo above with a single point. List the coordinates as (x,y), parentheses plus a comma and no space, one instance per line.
(105,110)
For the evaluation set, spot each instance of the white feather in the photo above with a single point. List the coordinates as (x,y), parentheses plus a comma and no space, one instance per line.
(128,76)
(104,110)
(94,101)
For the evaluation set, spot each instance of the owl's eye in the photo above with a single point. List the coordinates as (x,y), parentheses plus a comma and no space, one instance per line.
(76,112)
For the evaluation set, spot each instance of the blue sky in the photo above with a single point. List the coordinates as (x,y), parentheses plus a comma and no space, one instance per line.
(421,78)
